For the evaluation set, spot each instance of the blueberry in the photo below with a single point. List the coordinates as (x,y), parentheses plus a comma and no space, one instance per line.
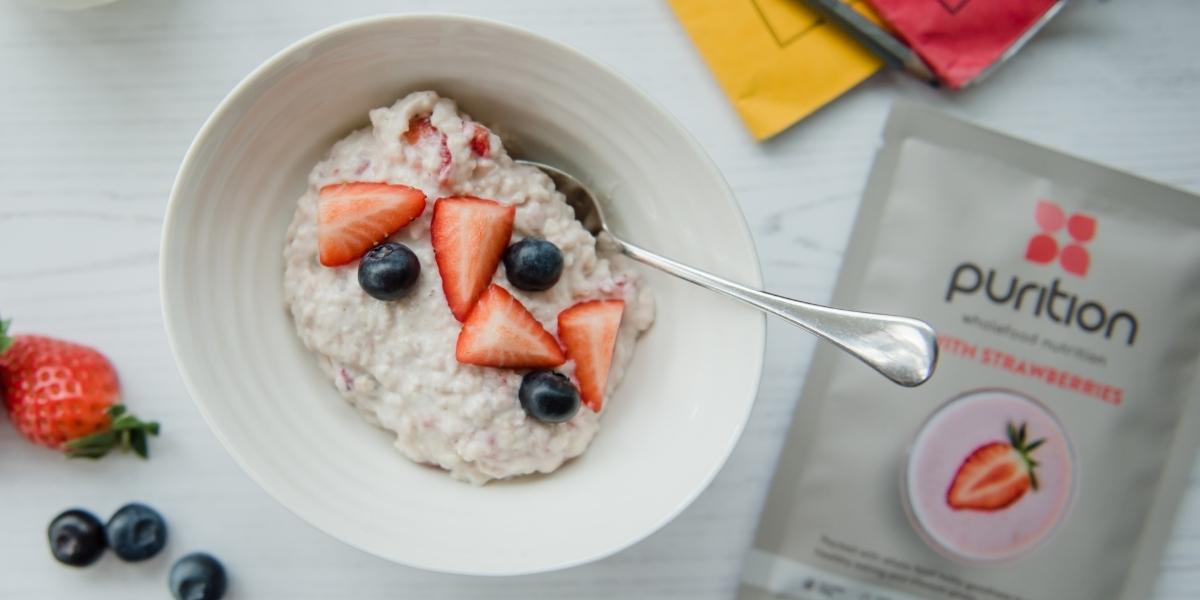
(533,265)
(76,538)
(388,271)
(197,576)
(136,532)
(548,396)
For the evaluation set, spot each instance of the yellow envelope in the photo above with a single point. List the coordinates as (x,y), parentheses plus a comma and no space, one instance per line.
(777,60)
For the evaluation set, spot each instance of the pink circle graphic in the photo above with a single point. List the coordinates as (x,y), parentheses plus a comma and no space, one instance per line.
(1049,216)
(1075,259)
(1082,227)
(1042,249)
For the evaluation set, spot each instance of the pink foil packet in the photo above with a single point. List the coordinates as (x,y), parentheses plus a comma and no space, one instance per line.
(961,39)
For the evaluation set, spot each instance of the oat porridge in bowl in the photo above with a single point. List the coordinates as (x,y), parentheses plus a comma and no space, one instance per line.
(441,365)
(463,384)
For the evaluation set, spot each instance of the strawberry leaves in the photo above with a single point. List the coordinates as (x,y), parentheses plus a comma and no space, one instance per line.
(5,341)
(127,433)
(1017,439)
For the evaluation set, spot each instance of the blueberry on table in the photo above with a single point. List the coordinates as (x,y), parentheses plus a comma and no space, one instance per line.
(388,271)
(76,538)
(197,576)
(548,396)
(533,265)
(136,532)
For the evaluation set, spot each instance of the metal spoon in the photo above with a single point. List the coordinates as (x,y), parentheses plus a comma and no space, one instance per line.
(902,349)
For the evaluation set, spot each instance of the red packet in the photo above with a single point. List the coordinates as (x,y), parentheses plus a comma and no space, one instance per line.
(960,39)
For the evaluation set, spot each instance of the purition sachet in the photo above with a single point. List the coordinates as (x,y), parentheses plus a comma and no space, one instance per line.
(1046,456)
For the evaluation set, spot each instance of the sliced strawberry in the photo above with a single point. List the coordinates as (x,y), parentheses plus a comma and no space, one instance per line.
(589,333)
(469,237)
(501,332)
(481,145)
(995,475)
(353,217)
(444,173)
(418,127)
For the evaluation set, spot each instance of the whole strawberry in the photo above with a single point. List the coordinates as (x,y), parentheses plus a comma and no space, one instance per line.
(64,396)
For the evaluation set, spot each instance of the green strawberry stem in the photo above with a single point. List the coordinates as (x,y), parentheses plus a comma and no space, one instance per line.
(127,432)
(5,341)
(1016,439)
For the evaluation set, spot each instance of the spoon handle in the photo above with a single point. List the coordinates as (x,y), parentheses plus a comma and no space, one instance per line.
(902,349)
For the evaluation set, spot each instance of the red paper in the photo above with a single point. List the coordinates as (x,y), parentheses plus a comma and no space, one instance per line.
(961,38)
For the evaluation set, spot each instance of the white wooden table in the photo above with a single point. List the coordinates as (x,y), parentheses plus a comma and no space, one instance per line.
(98,107)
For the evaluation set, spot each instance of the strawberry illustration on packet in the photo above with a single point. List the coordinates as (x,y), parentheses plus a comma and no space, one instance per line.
(997,474)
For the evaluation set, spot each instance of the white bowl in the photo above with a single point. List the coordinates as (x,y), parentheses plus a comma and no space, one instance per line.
(671,424)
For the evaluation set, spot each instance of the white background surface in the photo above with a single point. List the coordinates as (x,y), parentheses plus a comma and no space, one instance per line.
(98,107)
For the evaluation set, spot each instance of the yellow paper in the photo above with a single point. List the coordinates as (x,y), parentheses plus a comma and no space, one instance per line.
(776,60)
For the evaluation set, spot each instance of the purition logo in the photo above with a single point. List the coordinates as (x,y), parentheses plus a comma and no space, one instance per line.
(1043,247)
(1048,300)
